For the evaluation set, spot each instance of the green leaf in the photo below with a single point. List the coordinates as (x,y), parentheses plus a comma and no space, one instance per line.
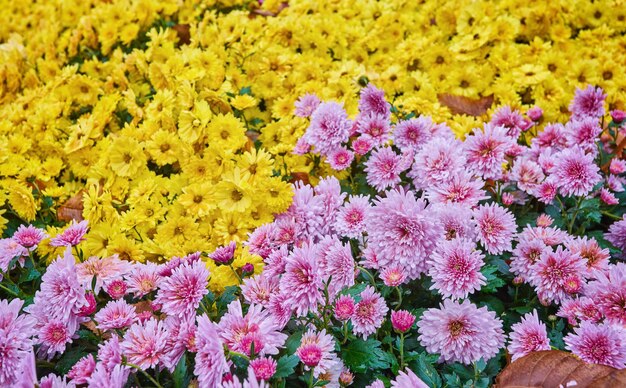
(180,377)
(452,380)
(286,366)
(293,342)
(70,358)
(424,369)
(355,290)
(492,280)
(246,90)
(29,275)
(321,383)
(361,356)
(227,296)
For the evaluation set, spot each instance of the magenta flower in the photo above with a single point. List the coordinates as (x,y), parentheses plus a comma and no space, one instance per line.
(82,370)
(261,241)
(54,334)
(495,227)
(402,320)
(306,105)
(116,289)
(608,292)
(588,102)
(115,315)
(574,172)
(373,101)
(302,281)
(110,353)
(583,132)
(528,335)
(607,197)
(29,236)
(456,220)
(403,231)
(340,158)
(180,294)
(535,113)
(598,344)
(350,221)
(344,308)
(362,145)
(455,268)
(264,367)
(486,151)
(461,332)
(553,272)
(144,344)
(383,168)
(224,255)
(316,351)
(329,127)
(413,133)
(258,326)
(510,119)
(369,313)
(72,235)
(181,336)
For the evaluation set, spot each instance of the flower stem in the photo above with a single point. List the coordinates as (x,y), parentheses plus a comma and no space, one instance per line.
(156,384)
(399,297)
(369,275)
(8,290)
(401,351)
(235,272)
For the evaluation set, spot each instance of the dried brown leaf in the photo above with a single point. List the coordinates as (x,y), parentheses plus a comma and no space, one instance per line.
(72,209)
(184,36)
(552,368)
(464,105)
(299,176)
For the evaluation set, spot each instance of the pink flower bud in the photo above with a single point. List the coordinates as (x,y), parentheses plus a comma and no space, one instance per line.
(402,320)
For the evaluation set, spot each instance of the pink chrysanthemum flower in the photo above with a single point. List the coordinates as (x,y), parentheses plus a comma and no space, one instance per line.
(461,332)
(110,353)
(588,102)
(61,294)
(29,236)
(82,370)
(437,161)
(461,188)
(258,326)
(456,220)
(375,127)
(369,313)
(403,231)
(306,105)
(526,254)
(72,235)
(510,119)
(116,315)
(105,270)
(583,309)
(362,145)
(617,234)
(615,183)
(383,168)
(527,174)
(609,293)
(544,221)
(583,132)
(210,362)
(307,211)
(316,351)
(144,344)
(373,101)
(376,384)
(574,172)
(553,271)
(413,133)
(393,276)
(495,228)
(302,281)
(529,335)
(329,191)
(350,221)
(117,289)
(275,262)
(607,197)
(261,241)
(550,236)
(329,127)
(406,379)
(486,150)
(54,334)
(180,294)
(280,308)
(9,249)
(259,288)
(598,344)
(264,367)
(143,279)
(546,192)
(535,113)
(553,136)
(402,320)
(617,166)
(455,268)
(15,341)
(340,158)
(589,250)
(54,381)
(336,263)
(117,377)
(224,255)
(344,308)
(301,147)
(181,336)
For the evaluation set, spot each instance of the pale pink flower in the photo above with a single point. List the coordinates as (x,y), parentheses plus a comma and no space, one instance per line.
(350,221)
(528,335)
(259,288)
(455,268)
(495,227)
(316,351)
(461,188)
(607,197)
(589,250)
(180,294)
(393,276)
(383,168)
(54,334)
(116,377)
(181,336)
(413,133)
(527,174)
(82,370)
(598,344)
(210,362)
(143,279)
(574,172)
(486,151)
(375,127)
(608,292)
(329,127)
(115,315)
(16,345)
(588,102)
(362,145)
(406,379)
(340,158)
(224,255)
(553,271)
(144,344)
(306,105)
(105,270)
(372,100)
(336,263)
(437,161)
(302,281)
(369,313)
(71,236)
(29,236)
(110,353)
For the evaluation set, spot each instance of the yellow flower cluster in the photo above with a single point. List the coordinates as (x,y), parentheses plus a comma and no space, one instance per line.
(173,120)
